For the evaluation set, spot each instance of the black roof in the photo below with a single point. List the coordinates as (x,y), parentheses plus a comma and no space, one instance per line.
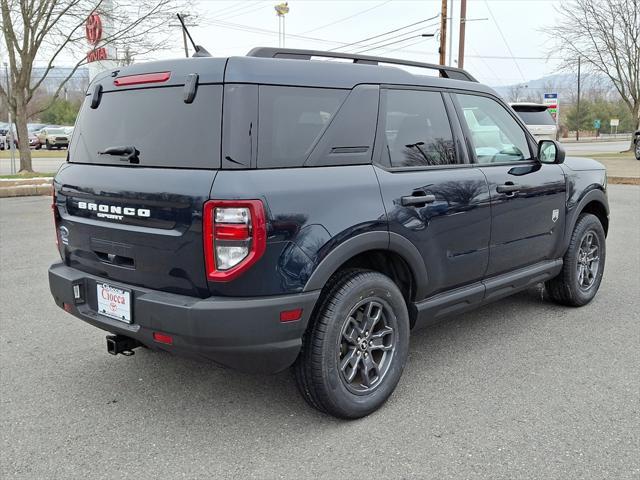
(295,67)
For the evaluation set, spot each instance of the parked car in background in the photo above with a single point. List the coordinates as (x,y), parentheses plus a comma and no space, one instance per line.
(636,143)
(4,128)
(537,119)
(34,142)
(53,138)
(33,129)
(4,137)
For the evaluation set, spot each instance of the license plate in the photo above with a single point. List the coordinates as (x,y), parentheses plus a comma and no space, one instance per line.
(114,302)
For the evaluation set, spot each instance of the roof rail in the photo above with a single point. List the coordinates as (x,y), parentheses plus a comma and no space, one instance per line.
(300,54)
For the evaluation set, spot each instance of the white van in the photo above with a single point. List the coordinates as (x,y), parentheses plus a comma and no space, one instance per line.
(538,120)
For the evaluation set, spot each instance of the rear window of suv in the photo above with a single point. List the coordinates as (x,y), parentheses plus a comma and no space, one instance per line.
(156,121)
(291,120)
(533,117)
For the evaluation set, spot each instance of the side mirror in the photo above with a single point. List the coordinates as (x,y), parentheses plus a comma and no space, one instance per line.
(550,151)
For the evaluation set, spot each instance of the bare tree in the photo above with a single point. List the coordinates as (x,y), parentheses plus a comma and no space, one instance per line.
(605,34)
(50,31)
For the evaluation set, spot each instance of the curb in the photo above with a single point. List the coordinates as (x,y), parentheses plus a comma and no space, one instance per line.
(25,187)
(624,180)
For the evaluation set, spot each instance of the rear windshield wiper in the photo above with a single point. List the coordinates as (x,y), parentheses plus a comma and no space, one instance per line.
(130,153)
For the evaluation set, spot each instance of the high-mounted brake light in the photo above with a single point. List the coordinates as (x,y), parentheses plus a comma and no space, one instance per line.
(234,235)
(157,77)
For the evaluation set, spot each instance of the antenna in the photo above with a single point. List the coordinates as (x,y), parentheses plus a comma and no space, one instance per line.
(199,50)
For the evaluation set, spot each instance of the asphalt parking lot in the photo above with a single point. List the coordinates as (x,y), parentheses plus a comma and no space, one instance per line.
(519,389)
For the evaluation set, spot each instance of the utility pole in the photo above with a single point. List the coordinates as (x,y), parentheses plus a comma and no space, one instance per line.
(443,33)
(184,32)
(451,35)
(463,22)
(578,105)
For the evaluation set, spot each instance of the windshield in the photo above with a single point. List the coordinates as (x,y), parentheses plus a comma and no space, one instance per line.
(55,131)
(536,118)
(166,131)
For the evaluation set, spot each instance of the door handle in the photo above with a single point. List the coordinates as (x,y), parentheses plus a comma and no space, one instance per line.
(508,188)
(417,200)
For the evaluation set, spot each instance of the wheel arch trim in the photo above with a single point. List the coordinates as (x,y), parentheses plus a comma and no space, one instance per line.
(595,195)
(369,241)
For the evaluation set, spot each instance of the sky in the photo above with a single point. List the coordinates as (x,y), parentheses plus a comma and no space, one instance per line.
(497,31)
(512,29)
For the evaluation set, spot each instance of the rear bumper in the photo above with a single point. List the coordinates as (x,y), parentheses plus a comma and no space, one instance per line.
(242,333)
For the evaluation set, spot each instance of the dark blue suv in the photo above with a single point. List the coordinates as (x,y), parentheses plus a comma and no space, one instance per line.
(272,210)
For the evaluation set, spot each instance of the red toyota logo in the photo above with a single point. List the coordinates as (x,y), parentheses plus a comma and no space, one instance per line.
(94,28)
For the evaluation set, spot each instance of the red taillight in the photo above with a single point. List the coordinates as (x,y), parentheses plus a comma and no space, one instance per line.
(54,209)
(163,338)
(234,235)
(157,77)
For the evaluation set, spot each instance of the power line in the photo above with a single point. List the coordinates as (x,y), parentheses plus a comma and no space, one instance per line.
(397,36)
(264,31)
(386,33)
(489,69)
(259,6)
(403,46)
(504,57)
(348,17)
(504,40)
(390,43)
(233,9)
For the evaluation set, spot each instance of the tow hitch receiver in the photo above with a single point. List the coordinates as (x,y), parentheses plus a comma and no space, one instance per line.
(120,344)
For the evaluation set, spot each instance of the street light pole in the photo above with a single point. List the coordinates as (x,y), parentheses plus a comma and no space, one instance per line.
(281,10)
(578,105)
(9,136)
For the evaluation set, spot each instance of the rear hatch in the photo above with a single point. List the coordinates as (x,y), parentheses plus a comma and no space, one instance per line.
(144,154)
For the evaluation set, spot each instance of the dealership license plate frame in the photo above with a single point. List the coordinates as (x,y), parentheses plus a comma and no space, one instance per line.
(114,310)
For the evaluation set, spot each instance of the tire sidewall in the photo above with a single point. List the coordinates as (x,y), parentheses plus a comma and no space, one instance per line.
(587,223)
(350,404)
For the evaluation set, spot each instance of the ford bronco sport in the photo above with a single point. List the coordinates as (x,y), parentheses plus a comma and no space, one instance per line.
(312,214)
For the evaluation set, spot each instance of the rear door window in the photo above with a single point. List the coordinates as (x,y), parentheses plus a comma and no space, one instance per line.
(417,129)
(156,121)
(291,120)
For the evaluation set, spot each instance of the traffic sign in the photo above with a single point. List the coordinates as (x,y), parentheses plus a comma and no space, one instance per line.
(614,122)
(551,101)
(597,124)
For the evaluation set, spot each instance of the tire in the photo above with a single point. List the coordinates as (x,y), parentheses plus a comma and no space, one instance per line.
(637,149)
(38,146)
(571,287)
(339,335)
(48,145)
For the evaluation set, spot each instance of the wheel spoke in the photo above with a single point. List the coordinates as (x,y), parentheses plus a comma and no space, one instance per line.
(351,334)
(369,371)
(372,314)
(378,340)
(588,239)
(581,274)
(349,364)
